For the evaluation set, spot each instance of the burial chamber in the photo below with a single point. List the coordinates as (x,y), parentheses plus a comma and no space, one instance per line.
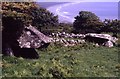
(26,44)
(101,39)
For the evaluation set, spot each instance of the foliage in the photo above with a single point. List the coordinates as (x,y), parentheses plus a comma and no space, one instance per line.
(111,26)
(67,27)
(57,61)
(61,27)
(15,15)
(87,22)
(43,18)
(18,10)
(29,13)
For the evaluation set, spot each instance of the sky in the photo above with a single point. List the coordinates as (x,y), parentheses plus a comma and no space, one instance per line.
(60,0)
(77,0)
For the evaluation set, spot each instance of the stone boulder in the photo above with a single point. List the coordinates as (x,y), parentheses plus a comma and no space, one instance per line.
(32,38)
(25,45)
(101,39)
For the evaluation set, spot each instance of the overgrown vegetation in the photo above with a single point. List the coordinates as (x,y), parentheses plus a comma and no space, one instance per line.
(46,22)
(27,13)
(88,22)
(85,60)
(57,61)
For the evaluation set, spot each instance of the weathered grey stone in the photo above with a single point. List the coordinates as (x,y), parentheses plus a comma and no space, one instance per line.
(108,44)
(25,45)
(104,36)
(101,39)
(32,38)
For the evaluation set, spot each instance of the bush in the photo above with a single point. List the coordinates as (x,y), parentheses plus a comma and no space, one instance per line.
(87,22)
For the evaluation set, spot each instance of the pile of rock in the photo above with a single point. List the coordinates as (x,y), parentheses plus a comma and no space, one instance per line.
(68,42)
(67,35)
(98,39)
(31,38)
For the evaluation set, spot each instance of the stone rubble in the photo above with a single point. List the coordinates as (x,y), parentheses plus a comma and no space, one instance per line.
(32,38)
(74,39)
(67,35)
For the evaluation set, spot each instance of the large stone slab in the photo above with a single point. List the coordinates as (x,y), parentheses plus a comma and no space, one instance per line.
(102,39)
(32,38)
(25,45)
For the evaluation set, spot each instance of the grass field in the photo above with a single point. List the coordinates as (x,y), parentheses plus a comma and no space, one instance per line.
(57,61)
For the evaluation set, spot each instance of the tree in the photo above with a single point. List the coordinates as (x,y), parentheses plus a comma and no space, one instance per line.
(111,26)
(106,25)
(29,13)
(14,17)
(66,27)
(115,26)
(17,15)
(87,22)
(43,18)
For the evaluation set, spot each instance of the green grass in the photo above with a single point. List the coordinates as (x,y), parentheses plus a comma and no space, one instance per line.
(58,61)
